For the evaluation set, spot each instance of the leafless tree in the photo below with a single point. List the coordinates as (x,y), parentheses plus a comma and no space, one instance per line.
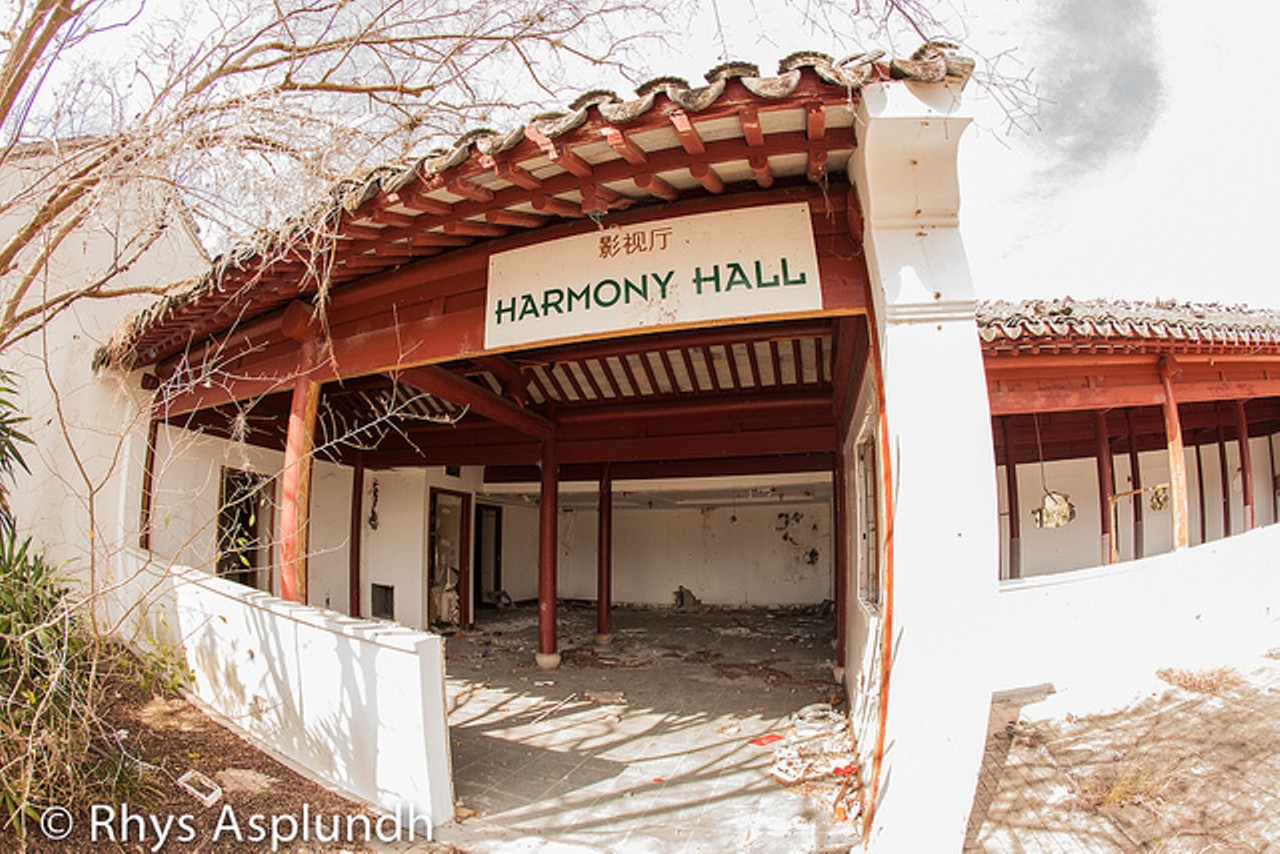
(227,114)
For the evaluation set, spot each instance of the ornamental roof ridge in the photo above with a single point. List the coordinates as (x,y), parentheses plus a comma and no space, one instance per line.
(1048,320)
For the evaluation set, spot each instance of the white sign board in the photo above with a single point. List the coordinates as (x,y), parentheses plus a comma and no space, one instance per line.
(728,265)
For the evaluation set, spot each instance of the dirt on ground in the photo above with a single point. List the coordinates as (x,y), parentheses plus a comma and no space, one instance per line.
(1195,768)
(174,736)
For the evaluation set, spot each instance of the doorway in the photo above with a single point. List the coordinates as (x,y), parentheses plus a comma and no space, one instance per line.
(487,589)
(449,553)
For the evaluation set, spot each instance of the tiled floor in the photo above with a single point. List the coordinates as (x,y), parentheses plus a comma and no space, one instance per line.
(547,767)
(1178,772)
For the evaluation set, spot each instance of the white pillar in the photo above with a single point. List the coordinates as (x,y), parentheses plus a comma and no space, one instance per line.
(943,510)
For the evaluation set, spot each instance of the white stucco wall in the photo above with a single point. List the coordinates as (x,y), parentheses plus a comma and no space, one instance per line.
(359,703)
(731,554)
(1101,633)
(84,427)
(743,555)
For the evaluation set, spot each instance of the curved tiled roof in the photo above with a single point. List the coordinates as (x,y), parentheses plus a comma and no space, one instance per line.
(481,168)
(1065,320)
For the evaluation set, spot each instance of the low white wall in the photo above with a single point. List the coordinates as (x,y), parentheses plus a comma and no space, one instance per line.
(360,704)
(1113,626)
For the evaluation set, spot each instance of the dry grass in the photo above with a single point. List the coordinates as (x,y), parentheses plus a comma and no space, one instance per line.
(1127,784)
(1213,681)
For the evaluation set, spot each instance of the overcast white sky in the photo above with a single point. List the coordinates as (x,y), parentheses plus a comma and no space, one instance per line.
(1155,170)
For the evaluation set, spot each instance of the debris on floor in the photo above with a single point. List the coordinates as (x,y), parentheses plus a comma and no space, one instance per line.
(606,698)
(817,757)
(763,670)
(685,599)
(557,707)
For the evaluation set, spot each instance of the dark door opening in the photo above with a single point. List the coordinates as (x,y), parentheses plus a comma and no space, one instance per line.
(488,549)
(449,550)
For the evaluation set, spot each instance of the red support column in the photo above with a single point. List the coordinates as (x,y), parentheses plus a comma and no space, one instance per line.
(1106,487)
(1177,460)
(148,486)
(1011,488)
(354,541)
(840,512)
(547,656)
(295,496)
(1204,518)
(1246,464)
(604,559)
(1224,474)
(1135,475)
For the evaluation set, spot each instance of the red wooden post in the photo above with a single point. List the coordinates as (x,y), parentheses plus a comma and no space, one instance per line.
(1177,460)
(840,510)
(1011,488)
(354,541)
(1246,463)
(604,556)
(1106,485)
(547,656)
(1204,519)
(148,486)
(1135,474)
(296,490)
(1224,473)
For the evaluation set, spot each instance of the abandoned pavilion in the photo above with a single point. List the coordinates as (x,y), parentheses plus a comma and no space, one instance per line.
(718,339)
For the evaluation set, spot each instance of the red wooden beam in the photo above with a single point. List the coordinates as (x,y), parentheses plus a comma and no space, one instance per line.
(655,186)
(625,148)
(815,121)
(446,385)
(707,177)
(760,168)
(726,467)
(751,130)
(470,228)
(687,133)
(387,217)
(427,239)
(817,164)
(518,175)
(552,205)
(416,199)
(523,220)
(469,190)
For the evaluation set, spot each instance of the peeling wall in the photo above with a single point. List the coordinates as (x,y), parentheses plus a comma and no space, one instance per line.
(744,555)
